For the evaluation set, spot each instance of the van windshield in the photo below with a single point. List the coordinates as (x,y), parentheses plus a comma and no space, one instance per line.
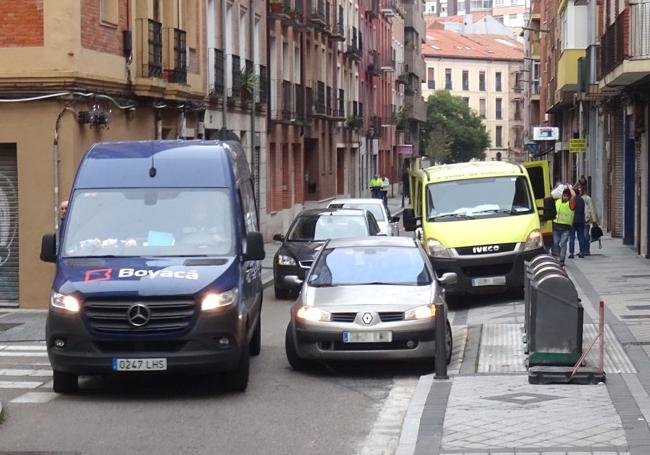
(149,222)
(478,198)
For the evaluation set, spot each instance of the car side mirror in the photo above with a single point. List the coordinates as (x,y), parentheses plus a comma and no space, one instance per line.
(48,248)
(254,247)
(394,219)
(278,238)
(410,221)
(448,279)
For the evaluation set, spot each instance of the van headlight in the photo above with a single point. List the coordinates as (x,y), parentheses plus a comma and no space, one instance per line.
(420,312)
(437,249)
(312,314)
(64,302)
(534,241)
(215,300)
(283,259)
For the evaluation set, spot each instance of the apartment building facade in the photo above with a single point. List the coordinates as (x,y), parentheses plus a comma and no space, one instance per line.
(83,72)
(487,71)
(511,13)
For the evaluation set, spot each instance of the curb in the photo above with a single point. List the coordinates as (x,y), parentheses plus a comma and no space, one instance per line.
(267,282)
(1,415)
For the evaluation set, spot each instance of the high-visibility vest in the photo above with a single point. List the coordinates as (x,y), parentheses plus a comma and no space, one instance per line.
(564,213)
(376,183)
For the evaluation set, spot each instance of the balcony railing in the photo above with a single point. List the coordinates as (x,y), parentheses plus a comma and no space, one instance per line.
(234,91)
(354,44)
(318,98)
(282,105)
(612,44)
(299,101)
(152,58)
(388,7)
(262,84)
(374,65)
(640,30)
(328,101)
(177,71)
(319,12)
(372,8)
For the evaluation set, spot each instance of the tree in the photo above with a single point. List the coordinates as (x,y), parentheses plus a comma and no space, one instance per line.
(454,133)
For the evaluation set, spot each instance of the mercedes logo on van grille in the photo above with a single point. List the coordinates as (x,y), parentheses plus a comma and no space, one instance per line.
(138,315)
(367,318)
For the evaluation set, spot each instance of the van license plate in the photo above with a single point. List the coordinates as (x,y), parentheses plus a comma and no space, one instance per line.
(367,337)
(139,364)
(489,281)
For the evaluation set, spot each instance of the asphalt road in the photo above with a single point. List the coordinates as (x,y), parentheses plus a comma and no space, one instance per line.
(342,409)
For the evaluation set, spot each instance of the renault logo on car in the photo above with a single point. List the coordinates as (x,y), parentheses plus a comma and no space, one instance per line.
(485,249)
(138,315)
(367,318)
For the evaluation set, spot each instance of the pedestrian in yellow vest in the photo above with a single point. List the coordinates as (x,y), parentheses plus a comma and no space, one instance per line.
(563,222)
(376,184)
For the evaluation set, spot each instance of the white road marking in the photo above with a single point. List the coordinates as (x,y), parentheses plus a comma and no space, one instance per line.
(19,384)
(35,397)
(18,347)
(22,354)
(18,373)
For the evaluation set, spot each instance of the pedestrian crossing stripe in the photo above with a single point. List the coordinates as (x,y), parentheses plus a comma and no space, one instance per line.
(24,372)
(21,347)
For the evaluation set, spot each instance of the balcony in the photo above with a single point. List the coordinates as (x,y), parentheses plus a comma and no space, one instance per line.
(318,103)
(234,89)
(388,8)
(353,48)
(287,102)
(151,54)
(413,62)
(416,107)
(338,30)
(290,12)
(372,8)
(413,18)
(374,65)
(219,73)
(338,111)
(261,97)
(176,44)
(624,59)
(567,69)
(319,14)
(374,128)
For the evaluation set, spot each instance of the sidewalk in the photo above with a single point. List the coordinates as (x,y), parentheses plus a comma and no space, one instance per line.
(487,405)
(394,206)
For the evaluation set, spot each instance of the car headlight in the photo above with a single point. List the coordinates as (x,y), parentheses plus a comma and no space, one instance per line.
(437,249)
(535,240)
(312,314)
(283,259)
(215,300)
(65,302)
(420,312)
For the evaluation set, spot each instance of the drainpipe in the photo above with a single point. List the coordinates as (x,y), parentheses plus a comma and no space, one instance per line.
(224,111)
(251,40)
(55,167)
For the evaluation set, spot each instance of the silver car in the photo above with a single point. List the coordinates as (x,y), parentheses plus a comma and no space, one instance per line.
(367,298)
(389,225)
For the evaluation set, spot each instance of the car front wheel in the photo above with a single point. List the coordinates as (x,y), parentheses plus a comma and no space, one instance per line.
(296,362)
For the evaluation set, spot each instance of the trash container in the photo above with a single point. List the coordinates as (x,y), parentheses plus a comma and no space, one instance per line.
(556,316)
(535,265)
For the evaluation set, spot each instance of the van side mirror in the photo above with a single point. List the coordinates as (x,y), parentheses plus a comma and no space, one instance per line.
(278,238)
(254,247)
(48,248)
(548,212)
(410,221)
(448,279)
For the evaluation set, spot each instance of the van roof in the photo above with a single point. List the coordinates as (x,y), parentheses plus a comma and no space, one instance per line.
(472,169)
(178,164)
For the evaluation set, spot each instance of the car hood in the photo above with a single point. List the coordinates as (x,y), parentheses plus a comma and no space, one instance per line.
(301,251)
(482,231)
(379,297)
(139,276)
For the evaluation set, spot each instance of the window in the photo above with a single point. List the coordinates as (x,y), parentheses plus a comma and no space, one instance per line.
(108,11)
(448,84)
(497,81)
(481,107)
(461,6)
(465,80)
(431,81)
(513,18)
(499,18)
(499,114)
(481,81)
(156,11)
(499,140)
(466,99)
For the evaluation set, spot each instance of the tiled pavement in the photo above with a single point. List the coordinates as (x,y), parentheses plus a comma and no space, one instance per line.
(487,405)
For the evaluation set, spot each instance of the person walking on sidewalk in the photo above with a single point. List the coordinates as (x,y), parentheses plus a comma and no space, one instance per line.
(375,185)
(406,183)
(578,229)
(591,218)
(384,190)
(563,223)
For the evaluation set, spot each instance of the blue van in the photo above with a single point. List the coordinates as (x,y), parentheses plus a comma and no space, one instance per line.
(157,264)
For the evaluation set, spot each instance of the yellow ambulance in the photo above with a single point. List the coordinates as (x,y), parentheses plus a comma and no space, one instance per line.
(481,220)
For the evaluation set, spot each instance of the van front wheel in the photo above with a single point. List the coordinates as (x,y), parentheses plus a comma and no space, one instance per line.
(255,345)
(65,382)
(237,380)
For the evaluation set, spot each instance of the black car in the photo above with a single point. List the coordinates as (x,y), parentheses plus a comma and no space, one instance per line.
(306,236)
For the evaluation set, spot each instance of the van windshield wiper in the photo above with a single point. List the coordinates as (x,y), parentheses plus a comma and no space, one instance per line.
(488,211)
(460,216)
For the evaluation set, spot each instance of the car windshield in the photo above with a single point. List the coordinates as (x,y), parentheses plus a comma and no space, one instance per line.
(375,209)
(149,222)
(370,266)
(478,198)
(308,228)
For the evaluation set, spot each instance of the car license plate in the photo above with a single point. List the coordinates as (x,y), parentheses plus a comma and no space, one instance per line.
(489,281)
(367,337)
(139,364)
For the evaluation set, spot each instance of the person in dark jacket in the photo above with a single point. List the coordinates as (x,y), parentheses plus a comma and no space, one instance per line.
(579,217)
